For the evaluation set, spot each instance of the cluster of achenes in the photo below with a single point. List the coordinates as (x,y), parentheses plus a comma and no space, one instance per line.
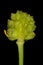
(21,26)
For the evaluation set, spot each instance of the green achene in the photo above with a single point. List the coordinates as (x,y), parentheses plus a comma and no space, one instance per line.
(20,27)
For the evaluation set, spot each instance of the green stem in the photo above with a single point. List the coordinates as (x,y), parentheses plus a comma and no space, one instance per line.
(20,51)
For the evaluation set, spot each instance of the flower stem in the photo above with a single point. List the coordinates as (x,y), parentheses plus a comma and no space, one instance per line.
(20,51)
